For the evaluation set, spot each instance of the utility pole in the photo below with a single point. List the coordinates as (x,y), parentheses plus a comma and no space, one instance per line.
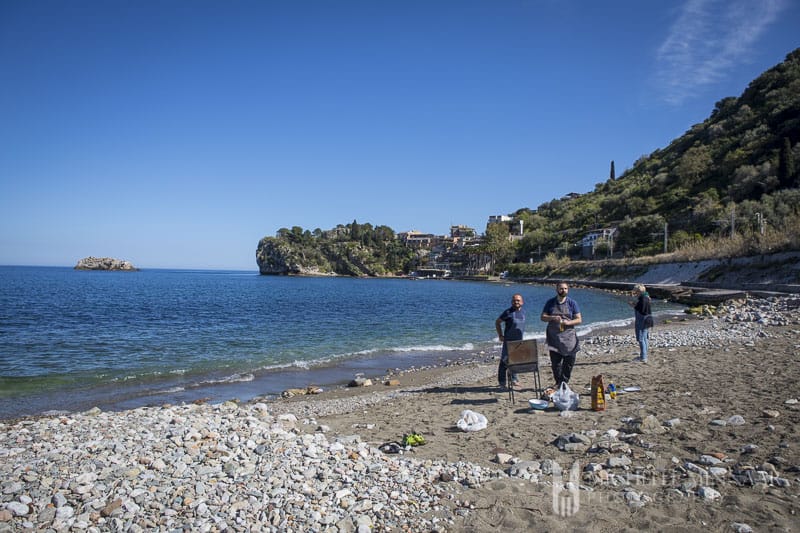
(665,237)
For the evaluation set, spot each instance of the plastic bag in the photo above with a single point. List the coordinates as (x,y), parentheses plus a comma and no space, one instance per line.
(471,421)
(565,399)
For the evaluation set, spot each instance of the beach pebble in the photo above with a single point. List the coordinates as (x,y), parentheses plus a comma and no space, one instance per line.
(709,494)
(650,425)
(709,460)
(691,467)
(736,420)
(18,508)
(618,462)
(739,527)
(503,458)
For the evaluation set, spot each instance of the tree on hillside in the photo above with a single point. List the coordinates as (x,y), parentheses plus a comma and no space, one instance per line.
(498,245)
(612,175)
(786,167)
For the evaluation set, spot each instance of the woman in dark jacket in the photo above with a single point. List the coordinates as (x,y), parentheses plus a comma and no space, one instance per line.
(643,320)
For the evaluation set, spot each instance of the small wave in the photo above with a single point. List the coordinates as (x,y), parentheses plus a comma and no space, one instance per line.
(434,348)
(234,378)
(584,330)
(425,348)
(171,390)
(55,412)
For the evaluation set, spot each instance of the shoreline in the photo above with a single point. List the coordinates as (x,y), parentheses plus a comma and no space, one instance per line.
(708,442)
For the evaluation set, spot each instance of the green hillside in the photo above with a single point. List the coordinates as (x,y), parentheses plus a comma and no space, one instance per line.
(727,187)
(723,177)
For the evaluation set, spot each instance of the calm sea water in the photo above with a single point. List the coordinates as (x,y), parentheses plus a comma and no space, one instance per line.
(70,340)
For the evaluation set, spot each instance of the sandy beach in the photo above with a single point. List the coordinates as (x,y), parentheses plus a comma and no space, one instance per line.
(709,442)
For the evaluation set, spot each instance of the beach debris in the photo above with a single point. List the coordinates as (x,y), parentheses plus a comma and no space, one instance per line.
(413,439)
(391,447)
(360,382)
(529,470)
(565,399)
(392,382)
(740,527)
(311,389)
(471,421)
(573,442)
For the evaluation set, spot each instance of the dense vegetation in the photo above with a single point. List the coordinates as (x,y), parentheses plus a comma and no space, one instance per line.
(734,175)
(351,250)
(728,186)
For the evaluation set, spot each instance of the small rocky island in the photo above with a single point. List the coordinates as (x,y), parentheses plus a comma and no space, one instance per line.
(104,263)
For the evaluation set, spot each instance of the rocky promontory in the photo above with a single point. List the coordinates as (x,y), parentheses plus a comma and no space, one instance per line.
(104,263)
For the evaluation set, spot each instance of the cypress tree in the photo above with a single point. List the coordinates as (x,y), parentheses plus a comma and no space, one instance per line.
(612,176)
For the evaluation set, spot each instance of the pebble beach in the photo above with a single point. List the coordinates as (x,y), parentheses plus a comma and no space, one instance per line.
(708,441)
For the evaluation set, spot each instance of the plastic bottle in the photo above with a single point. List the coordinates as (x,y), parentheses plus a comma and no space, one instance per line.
(612,391)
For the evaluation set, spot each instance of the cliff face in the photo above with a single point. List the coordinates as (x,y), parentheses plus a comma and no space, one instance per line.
(276,256)
(104,263)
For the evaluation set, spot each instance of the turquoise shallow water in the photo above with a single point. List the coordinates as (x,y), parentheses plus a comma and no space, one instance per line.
(70,339)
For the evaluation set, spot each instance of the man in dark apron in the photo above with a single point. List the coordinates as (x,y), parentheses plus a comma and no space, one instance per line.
(562,314)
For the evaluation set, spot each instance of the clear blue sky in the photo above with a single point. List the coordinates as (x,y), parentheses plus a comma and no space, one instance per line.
(178,133)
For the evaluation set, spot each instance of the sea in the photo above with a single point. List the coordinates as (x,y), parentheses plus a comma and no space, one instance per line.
(71,340)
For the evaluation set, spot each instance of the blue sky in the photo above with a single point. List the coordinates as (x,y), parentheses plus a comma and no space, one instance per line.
(176,134)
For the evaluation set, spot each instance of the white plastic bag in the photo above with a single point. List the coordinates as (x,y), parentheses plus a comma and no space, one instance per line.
(471,421)
(565,399)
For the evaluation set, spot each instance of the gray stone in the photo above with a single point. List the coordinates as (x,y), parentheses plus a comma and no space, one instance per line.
(618,462)
(651,426)
(709,494)
(736,420)
(18,508)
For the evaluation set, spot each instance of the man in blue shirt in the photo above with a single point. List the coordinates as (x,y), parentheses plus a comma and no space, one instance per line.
(513,320)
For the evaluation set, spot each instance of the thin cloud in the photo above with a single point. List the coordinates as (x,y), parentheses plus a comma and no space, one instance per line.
(708,38)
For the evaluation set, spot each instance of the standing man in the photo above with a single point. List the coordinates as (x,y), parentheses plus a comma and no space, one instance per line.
(514,320)
(562,314)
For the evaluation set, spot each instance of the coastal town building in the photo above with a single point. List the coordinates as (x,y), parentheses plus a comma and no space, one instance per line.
(593,239)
